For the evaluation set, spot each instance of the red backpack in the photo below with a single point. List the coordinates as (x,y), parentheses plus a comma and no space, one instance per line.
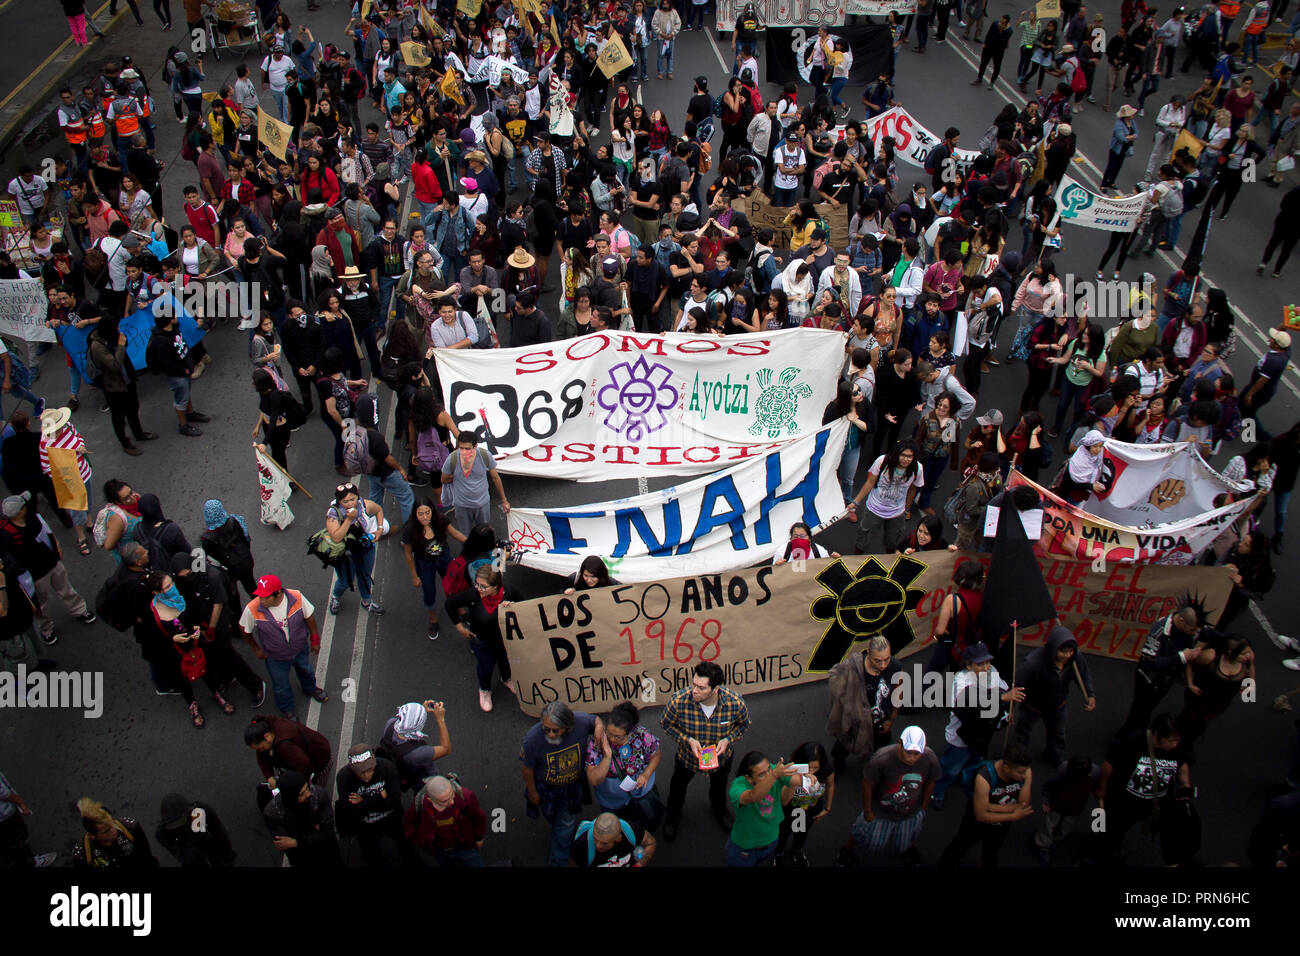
(454,579)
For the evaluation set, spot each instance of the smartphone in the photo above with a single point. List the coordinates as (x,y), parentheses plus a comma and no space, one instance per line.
(800,768)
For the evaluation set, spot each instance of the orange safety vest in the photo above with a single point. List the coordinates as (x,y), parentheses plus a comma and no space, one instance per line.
(97,125)
(74,130)
(1230,9)
(126,118)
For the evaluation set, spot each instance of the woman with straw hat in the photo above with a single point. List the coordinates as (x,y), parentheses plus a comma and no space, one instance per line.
(57,433)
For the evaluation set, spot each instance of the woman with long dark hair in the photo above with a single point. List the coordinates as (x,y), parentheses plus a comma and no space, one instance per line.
(1046,343)
(846,404)
(424,542)
(891,485)
(1085,372)
(475,613)
(926,536)
(1251,567)
(429,433)
(936,438)
(812,797)
(592,573)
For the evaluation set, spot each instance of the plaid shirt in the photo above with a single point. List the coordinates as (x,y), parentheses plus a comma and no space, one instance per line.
(683,719)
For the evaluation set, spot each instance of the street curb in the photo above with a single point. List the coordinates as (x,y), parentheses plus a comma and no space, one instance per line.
(21,109)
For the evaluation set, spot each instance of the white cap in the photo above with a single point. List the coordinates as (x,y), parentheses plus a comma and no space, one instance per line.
(913,739)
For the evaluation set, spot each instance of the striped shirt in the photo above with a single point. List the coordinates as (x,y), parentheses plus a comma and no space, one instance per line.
(69,437)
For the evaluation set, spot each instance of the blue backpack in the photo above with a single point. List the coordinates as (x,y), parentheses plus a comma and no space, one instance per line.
(584,828)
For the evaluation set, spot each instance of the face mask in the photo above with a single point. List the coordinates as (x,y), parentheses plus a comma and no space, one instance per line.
(172,598)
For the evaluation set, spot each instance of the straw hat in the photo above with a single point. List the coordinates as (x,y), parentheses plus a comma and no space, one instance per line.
(1125,111)
(53,420)
(520,259)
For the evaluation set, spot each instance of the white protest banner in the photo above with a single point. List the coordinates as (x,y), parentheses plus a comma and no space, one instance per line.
(1081,206)
(1071,533)
(717,523)
(489,71)
(561,115)
(783,13)
(1151,485)
(22,310)
(912,141)
(274,487)
(880,8)
(625,405)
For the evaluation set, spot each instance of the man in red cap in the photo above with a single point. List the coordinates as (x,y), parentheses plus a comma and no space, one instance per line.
(280,626)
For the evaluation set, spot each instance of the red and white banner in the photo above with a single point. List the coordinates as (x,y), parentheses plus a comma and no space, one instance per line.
(912,141)
(624,405)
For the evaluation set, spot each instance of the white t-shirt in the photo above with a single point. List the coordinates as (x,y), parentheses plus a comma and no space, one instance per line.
(278,613)
(117,256)
(276,70)
(30,196)
(888,498)
(795,158)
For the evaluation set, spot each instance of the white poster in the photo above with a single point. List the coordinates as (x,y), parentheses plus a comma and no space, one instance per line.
(22,310)
(561,115)
(912,141)
(623,405)
(783,13)
(1081,206)
(274,487)
(1149,485)
(880,8)
(489,71)
(721,522)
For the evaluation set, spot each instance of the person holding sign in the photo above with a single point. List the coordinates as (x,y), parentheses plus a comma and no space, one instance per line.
(705,719)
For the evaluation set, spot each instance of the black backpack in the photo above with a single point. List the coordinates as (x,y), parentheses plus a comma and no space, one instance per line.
(111,605)
(227,546)
(159,559)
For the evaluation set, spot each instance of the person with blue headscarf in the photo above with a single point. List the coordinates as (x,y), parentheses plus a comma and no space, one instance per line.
(227,542)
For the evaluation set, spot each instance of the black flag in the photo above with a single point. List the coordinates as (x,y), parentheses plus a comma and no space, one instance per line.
(1014,589)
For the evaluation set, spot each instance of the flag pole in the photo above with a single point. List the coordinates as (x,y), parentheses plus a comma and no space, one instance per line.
(1011,711)
(276,465)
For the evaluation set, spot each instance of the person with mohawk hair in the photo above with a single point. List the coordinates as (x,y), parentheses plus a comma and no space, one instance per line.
(1171,643)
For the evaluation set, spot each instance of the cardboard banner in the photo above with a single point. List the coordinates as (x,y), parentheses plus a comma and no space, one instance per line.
(624,405)
(413,54)
(1081,206)
(273,134)
(22,310)
(1048,9)
(879,8)
(274,489)
(772,627)
(1072,534)
(760,212)
(1156,485)
(809,14)
(10,218)
(912,141)
(614,58)
(65,473)
(717,523)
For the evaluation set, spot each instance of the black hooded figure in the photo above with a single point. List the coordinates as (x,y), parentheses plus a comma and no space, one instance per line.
(1047,675)
(303,829)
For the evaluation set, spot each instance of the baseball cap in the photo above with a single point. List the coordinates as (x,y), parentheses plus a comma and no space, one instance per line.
(1280,339)
(267,585)
(913,739)
(976,653)
(991,417)
(15,503)
(609,265)
(361,758)
(469,184)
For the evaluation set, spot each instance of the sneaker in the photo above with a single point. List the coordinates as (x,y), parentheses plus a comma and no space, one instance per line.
(485,700)
(197,417)
(1287,643)
(73,403)
(260,697)
(319,695)
(1278,274)
(132,449)
(334,604)
(799,858)
(196,716)
(993,361)
(198,372)
(50,639)
(165,693)
(1259,269)
(511,686)
(189,431)
(374,607)
(246,324)
(147,436)
(43,860)
(1292,663)
(433,632)
(103,405)
(417,481)
(88,618)
(226,706)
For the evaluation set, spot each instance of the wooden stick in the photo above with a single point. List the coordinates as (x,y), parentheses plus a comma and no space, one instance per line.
(1015,632)
(277,467)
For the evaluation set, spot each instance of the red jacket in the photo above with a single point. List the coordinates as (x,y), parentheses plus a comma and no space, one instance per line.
(325,181)
(296,747)
(463,824)
(330,241)
(427,187)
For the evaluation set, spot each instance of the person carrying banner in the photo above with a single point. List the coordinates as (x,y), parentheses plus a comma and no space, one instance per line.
(1046,677)
(63,458)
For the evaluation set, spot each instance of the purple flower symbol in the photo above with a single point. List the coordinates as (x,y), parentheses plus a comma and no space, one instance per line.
(636,397)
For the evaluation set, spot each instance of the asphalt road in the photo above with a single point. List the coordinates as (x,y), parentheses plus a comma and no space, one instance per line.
(144,746)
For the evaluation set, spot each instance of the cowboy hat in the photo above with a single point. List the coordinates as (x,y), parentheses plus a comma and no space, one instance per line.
(53,420)
(351,272)
(520,259)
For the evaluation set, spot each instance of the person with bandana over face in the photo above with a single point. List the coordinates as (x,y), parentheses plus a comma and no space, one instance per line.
(179,653)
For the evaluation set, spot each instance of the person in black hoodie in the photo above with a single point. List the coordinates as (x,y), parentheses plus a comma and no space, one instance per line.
(291,239)
(169,356)
(301,822)
(300,338)
(160,535)
(192,832)
(1047,675)
(370,808)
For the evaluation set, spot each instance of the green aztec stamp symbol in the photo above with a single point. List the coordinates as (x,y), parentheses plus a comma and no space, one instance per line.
(778,405)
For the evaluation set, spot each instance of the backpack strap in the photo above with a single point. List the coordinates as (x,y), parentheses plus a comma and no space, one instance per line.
(584,829)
